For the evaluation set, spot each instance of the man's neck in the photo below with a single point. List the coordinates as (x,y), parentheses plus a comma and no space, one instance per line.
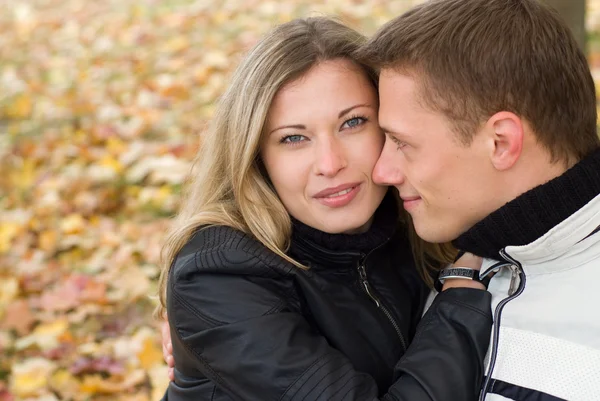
(534,168)
(533,212)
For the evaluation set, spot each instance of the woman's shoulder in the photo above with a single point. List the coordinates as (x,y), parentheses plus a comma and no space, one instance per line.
(223,249)
(219,237)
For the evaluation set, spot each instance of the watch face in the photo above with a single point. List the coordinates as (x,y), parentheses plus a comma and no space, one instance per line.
(457,272)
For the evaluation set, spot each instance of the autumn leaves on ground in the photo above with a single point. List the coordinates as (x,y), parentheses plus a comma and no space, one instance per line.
(101,107)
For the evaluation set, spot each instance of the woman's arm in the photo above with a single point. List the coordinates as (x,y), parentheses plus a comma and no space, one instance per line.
(258,349)
(445,360)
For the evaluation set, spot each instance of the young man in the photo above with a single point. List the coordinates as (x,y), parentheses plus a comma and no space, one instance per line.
(489,111)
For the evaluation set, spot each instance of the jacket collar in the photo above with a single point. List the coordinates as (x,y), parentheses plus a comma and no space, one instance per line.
(569,244)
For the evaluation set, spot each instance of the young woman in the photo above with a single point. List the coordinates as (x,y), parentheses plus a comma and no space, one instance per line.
(289,273)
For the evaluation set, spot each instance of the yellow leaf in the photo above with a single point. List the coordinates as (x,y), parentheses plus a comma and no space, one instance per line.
(164,192)
(20,108)
(111,163)
(25,176)
(55,328)
(72,224)
(133,191)
(201,75)
(220,17)
(150,354)
(9,289)
(80,135)
(115,145)
(48,240)
(30,377)
(94,220)
(8,231)
(177,91)
(177,44)
(46,335)
(93,384)
(28,384)
(64,383)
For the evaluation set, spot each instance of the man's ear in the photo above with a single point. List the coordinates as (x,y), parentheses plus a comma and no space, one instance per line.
(506,136)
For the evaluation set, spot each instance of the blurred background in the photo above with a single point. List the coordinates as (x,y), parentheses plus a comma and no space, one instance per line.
(102,105)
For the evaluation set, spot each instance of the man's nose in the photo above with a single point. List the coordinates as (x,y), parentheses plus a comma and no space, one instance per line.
(388,169)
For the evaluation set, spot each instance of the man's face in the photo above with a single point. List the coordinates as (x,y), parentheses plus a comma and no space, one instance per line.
(446,186)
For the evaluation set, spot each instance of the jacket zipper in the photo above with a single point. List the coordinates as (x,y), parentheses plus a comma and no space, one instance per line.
(514,291)
(362,272)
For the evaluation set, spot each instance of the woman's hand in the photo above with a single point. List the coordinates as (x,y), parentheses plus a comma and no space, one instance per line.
(167,348)
(467,260)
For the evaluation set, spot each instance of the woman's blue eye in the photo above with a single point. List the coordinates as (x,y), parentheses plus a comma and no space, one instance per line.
(354,122)
(292,139)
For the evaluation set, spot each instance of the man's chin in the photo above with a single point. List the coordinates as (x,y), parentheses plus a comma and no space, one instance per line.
(435,234)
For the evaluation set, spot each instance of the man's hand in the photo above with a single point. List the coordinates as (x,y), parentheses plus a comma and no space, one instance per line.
(167,348)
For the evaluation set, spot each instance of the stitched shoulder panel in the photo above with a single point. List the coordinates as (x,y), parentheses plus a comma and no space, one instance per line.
(224,250)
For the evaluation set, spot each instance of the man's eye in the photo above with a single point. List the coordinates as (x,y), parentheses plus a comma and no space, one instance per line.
(399,144)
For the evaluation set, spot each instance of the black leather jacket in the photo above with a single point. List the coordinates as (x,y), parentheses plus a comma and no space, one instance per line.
(247,325)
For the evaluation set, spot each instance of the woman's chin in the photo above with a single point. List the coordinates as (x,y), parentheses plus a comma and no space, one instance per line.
(345,228)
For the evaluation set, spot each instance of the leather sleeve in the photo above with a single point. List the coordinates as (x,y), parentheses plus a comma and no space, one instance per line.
(445,361)
(241,338)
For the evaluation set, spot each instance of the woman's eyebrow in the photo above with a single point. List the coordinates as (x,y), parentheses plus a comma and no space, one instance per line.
(349,109)
(294,126)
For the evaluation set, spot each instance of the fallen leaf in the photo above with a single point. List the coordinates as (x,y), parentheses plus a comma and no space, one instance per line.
(45,336)
(30,377)
(150,354)
(18,317)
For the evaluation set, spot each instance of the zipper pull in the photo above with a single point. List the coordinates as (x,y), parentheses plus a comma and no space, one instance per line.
(515,270)
(514,277)
(362,272)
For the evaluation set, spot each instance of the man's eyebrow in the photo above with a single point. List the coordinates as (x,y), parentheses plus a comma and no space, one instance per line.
(389,131)
(349,109)
(294,126)
(395,135)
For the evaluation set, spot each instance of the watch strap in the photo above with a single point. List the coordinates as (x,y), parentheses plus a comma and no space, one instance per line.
(460,273)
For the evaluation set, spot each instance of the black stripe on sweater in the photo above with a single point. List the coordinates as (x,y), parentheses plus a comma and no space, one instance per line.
(518,393)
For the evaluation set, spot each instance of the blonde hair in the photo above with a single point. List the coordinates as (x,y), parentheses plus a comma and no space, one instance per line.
(228,185)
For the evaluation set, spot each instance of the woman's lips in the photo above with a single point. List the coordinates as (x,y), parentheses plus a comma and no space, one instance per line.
(338,196)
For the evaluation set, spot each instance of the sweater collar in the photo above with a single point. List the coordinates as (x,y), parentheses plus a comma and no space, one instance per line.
(318,246)
(532,214)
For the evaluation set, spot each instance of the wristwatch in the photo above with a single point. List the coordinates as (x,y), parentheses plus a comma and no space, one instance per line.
(460,272)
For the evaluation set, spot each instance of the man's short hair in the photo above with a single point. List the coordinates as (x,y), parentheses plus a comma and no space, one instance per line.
(474,58)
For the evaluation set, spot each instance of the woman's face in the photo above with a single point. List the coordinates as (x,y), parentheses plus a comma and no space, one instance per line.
(321,143)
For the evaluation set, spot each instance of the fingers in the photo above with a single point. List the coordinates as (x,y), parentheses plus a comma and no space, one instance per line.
(167,347)
(165,331)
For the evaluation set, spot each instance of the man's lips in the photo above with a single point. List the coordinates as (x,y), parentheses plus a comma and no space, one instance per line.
(410,202)
(410,198)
